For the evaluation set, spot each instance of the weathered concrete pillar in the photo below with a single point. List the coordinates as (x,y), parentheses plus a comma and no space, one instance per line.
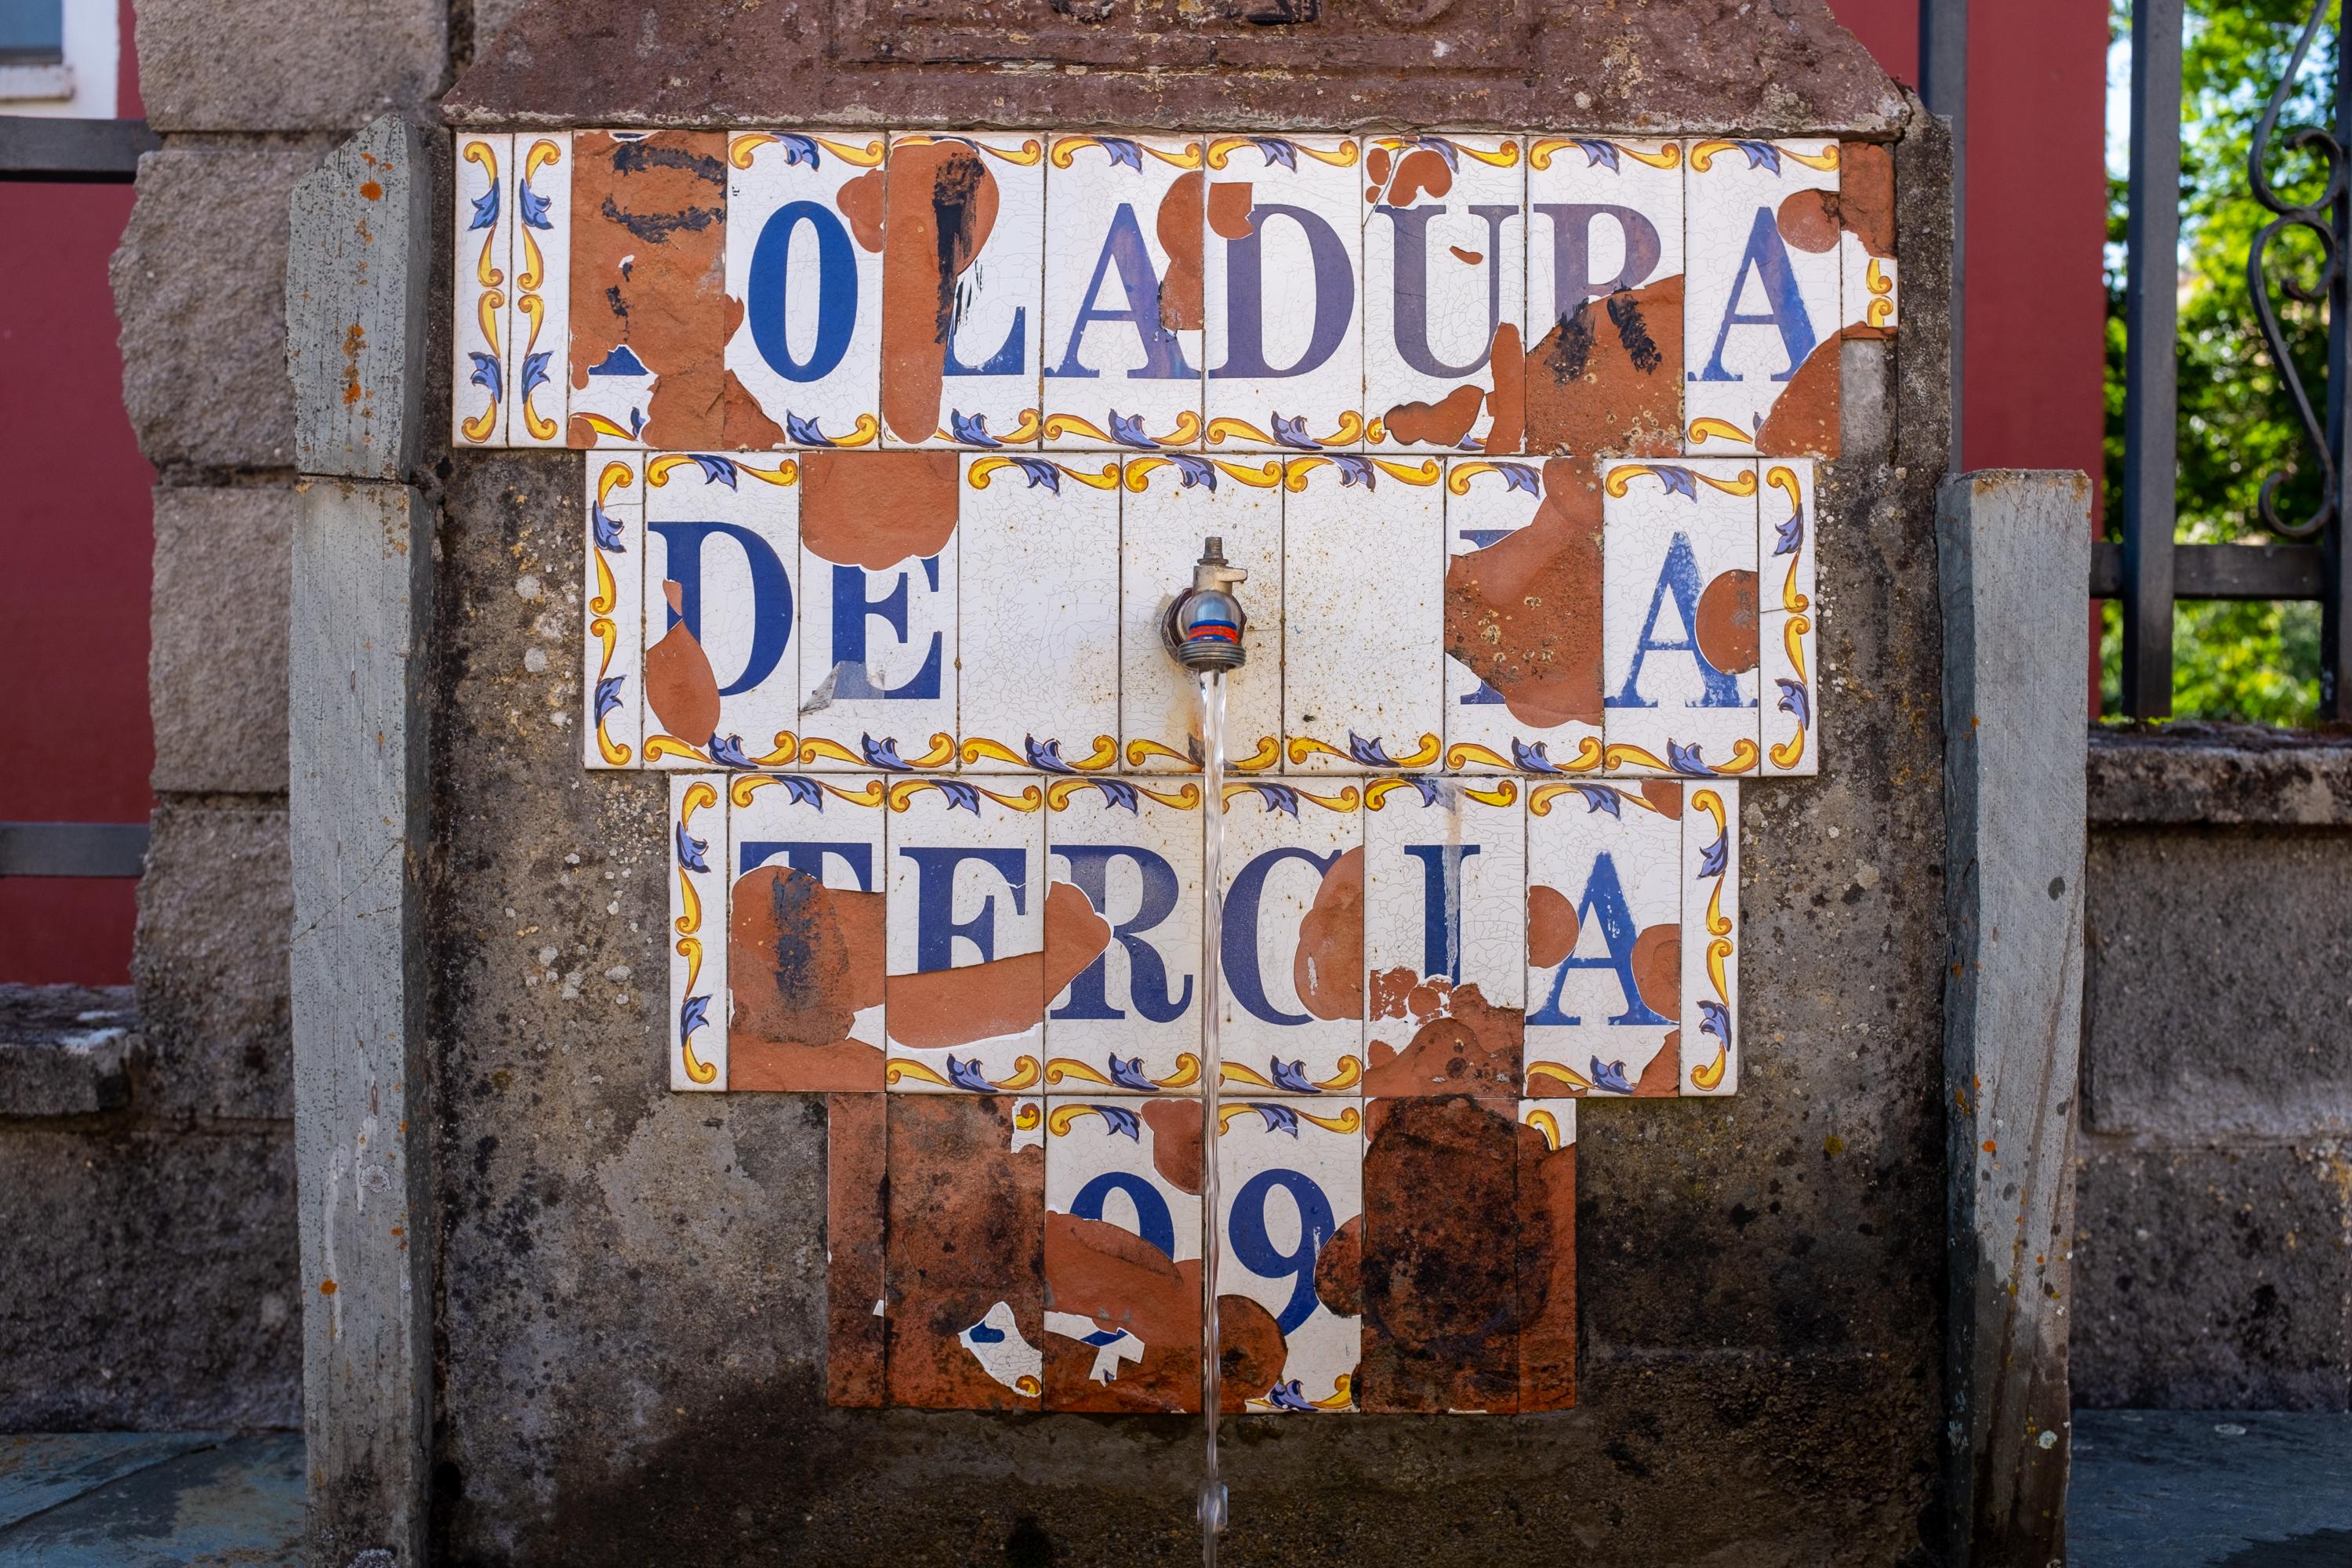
(2013,556)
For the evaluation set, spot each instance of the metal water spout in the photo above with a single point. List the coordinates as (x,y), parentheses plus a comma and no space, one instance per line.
(1204,627)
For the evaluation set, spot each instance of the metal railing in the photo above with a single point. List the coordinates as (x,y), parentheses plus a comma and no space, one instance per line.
(2150,571)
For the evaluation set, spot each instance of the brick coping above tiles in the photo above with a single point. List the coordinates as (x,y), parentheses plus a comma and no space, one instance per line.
(2219,775)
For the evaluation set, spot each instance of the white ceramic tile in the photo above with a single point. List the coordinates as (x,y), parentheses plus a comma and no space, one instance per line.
(1785,521)
(1283,241)
(1789,682)
(1604,217)
(1762,286)
(613,726)
(1363,606)
(1123,301)
(1110,1164)
(1293,947)
(1872,295)
(1290,1175)
(1555,1119)
(1445,267)
(1525,605)
(1038,626)
(1711,958)
(804,215)
(1128,1020)
(969,379)
(1171,504)
(967,918)
(697,931)
(1604,916)
(539,326)
(722,661)
(1680,623)
(485,228)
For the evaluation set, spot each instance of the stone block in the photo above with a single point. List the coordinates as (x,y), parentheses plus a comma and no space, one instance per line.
(216,657)
(199,288)
(288,64)
(64,1049)
(2213,1279)
(214,911)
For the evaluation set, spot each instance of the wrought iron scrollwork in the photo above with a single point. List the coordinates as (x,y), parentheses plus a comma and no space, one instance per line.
(2316,218)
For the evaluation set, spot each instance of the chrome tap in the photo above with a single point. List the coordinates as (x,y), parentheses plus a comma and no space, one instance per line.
(1204,627)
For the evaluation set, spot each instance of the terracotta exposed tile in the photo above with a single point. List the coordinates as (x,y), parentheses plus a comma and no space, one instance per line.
(1291,1176)
(857,1167)
(1546,1253)
(1123,1255)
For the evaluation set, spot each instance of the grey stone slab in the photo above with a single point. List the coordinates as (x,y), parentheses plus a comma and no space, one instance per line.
(2211,1489)
(65,1049)
(288,64)
(2214,1277)
(40,1472)
(2219,775)
(216,649)
(235,1502)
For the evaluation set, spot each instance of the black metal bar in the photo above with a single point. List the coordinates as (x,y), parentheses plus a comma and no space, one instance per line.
(87,151)
(72,848)
(2152,331)
(2223,571)
(2335,626)
(1944,84)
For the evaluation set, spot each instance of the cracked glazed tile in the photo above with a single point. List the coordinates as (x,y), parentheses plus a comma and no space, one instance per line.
(1292,957)
(1290,1290)
(1038,617)
(1128,1018)
(484,178)
(1603,937)
(649,306)
(965,1260)
(1788,684)
(698,916)
(1122,1254)
(856,1180)
(804,273)
(806,936)
(963,257)
(1761,309)
(1522,622)
(1123,303)
(540,325)
(1445,935)
(1679,617)
(1710,956)
(1604,370)
(977,939)
(722,650)
(1363,613)
(1445,269)
(1283,233)
(1866,264)
(611,729)
(1546,1255)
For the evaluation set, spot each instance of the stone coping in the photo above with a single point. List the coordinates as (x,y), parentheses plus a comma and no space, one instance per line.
(2221,775)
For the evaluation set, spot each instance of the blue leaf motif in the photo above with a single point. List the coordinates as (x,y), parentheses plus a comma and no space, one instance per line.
(1129,1074)
(1715,1019)
(971,429)
(1788,535)
(636,423)
(608,531)
(1519,477)
(1685,759)
(1611,1075)
(608,696)
(1678,481)
(967,1075)
(1291,1076)
(1599,154)
(1117,793)
(1277,797)
(1196,471)
(1532,759)
(1281,1118)
(1040,471)
(961,796)
(882,753)
(1429,787)
(1356,470)
(1794,702)
(690,850)
(1443,148)
(1122,152)
(1287,1396)
(1127,429)
(1292,432)
(531,207)
(1601,797)
(1372,753)
(1123,1122)
(729,749)
(1045,755)
(799,149)
(716,470)
(1276,151)
(534,371)
(1760,154)
(802,432)
(486,210)
(487,375)
(1715,857)
(804,792)
(693,1015)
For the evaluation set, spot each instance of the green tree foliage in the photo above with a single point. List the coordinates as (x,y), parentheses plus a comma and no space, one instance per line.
(2238,423)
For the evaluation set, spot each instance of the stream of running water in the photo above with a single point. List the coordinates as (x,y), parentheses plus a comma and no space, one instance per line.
(1212,916)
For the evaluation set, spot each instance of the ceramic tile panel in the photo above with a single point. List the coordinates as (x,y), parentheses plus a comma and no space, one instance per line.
(484,179)
(1363,613)
(1605,915)
(963,259)
(1866,263)
(1123,299)
(1170,505)
(805,934)
(1445,935)
(1290,1179)
(972,934)
(1546,1255)
(856,1179)
(1439,1256)
(1762,306)
(1038,621)
(1604,296)
(879,558)
(539,326)
(1679,617)
(1788,687)
(648,307)
(965,1260)
(1710,944)
(698,915)
(804,272)
(1292,959)
(1284,240)
(612,730)
(1123,1254)
(722,609)
(1522,616)
(1445,267)
(1125,1013)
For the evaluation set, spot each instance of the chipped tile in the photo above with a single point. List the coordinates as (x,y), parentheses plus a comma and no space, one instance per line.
(1292,962)
(806,936)
(1038,622)
(1289,1288)
(973,931)
(1363,613)
(1789,686)
(1867,265)
(1604,374)
(1603,934)
(1522,622)
(1123,292)
(965,1262)
(804,274)
(1283,234)
(722,609)
(613,727)
(484,179)
(1445,269)
(856,1180)
(1710,946)
(698,916)
(1679,617)
(540,325)
(1546,1255)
